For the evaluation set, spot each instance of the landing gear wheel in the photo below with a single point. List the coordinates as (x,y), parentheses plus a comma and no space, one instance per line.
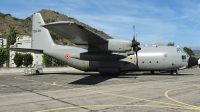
(152,72)
(37,72)
(175,72)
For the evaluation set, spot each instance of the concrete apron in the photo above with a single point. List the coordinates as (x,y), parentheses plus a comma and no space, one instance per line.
(45,70)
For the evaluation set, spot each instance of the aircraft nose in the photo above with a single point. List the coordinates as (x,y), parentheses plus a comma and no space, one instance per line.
(192,61)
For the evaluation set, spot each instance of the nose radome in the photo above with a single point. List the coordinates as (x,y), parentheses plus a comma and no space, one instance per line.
(192,61)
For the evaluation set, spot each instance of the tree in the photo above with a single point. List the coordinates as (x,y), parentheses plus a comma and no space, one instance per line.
(12,36)
(46,60)
(170,44)
(11,39)
(28,59)
(18,59)
(58,63)
(49,61)
(4,55)
(189,51)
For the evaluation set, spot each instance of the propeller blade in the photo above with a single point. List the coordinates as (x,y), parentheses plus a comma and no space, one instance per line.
(136,59)
(135,47)
(133,32)
(134,41)
(138,48)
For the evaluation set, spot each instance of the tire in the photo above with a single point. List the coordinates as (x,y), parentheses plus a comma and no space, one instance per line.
(175,72)
(37,72)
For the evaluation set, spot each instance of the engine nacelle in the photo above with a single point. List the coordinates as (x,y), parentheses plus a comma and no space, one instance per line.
(116,45)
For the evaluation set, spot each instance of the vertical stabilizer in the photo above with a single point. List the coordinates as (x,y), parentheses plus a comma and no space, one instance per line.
(41,39)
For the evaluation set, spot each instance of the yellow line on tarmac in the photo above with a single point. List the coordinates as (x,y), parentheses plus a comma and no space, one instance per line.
(28,80)
(196,85)
(111,105)
(118,95)
(185,87)
(54,83)
(111,94)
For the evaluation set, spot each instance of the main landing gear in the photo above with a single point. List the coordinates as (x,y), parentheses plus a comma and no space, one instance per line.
(152,72)
(174,72)
(110,74)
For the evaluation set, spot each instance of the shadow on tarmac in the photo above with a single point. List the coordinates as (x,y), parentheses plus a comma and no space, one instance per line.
(96,78)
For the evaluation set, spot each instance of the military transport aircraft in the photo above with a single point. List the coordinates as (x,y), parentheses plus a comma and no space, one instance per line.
(104,55)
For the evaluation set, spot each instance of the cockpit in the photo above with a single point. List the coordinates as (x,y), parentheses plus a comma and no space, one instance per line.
(180,50)
(191,60)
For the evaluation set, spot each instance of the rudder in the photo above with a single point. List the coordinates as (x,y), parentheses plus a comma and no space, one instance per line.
(41,39)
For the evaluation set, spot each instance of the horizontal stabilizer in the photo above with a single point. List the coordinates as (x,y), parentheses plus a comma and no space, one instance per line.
(26,50)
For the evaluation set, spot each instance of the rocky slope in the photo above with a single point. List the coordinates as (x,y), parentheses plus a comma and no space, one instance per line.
(23,26)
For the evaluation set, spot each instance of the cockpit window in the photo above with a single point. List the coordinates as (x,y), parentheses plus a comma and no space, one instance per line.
(180,50)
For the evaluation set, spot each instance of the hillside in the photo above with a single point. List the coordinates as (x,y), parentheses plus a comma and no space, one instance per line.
(196,51)
(6,20)
(23,26)
(197,55)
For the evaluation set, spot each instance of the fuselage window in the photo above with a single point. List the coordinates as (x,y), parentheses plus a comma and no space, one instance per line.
(157,61)
(183,58)
(185,52)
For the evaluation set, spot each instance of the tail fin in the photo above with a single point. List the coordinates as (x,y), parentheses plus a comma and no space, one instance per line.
(41,39)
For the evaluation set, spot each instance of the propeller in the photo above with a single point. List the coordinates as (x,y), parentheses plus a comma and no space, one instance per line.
(135,44)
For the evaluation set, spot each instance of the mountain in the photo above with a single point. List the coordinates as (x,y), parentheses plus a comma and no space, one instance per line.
(23,26)
(197,48)
(196,51)
(6,20)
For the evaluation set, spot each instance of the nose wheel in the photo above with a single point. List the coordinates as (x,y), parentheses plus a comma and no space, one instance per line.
(174,72)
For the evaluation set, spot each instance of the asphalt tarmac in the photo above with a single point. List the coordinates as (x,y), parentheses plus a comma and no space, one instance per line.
(90,92)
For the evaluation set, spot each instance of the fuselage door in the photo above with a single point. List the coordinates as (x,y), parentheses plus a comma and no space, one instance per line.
(169,61)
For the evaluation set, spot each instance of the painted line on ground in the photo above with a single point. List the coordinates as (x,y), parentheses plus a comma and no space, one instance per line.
(163,104)
(179,102)
(110,105)
(105,93)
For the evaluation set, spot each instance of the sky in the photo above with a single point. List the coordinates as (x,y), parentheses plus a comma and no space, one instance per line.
(156,21)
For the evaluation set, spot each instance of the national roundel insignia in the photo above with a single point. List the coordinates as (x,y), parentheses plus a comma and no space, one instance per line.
(67,56)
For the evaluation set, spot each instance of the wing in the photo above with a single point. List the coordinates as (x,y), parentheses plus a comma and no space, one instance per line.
(75,33)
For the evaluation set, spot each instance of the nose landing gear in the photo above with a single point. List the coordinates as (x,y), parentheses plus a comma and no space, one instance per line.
(174,72)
